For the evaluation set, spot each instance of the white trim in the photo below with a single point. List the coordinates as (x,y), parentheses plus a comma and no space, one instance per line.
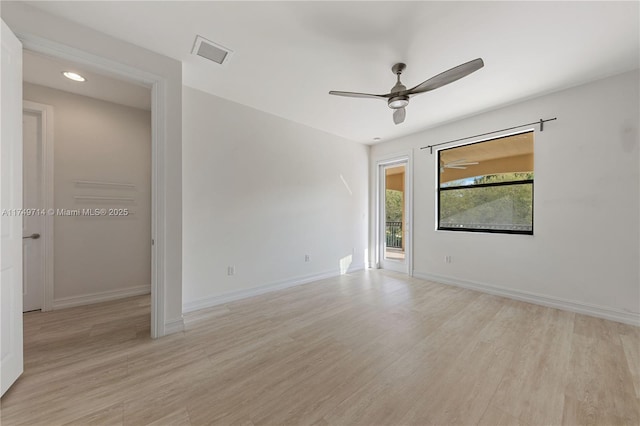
(103,296)
(99,183)
(158,191)
(174,326)
(101,198)
(355,268)
(538,299)
(46,184)
(406,158)
(210,301)
(159,142)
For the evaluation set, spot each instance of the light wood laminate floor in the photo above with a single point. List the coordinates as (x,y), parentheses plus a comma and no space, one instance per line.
(370,348)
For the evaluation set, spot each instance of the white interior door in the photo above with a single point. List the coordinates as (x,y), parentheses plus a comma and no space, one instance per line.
(11,362)
(33,224)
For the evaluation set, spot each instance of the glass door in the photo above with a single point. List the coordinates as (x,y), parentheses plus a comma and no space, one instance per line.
(393,233)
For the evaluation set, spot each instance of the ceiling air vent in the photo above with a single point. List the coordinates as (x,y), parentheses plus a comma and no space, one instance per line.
(211,51)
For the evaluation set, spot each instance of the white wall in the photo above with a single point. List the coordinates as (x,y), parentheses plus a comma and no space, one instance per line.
(35,24)
(585,254)
(99,257)
(259,193)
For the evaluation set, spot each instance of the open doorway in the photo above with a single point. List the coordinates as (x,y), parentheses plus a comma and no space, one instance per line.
(89,238)
(394,201)
(161,76)
(394,205)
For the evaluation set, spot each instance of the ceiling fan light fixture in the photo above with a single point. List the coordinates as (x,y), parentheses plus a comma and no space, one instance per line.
(74,76)
(398,102)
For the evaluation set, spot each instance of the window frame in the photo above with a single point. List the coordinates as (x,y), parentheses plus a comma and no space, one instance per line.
(439,227)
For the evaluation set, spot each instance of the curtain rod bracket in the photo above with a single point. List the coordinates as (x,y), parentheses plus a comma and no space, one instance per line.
(541,125)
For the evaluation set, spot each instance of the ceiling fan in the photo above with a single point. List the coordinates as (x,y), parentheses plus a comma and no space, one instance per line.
(461,164)
(399,96)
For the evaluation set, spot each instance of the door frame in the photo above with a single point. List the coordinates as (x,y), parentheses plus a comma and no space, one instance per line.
(158,86)
(45,112)
(405,158)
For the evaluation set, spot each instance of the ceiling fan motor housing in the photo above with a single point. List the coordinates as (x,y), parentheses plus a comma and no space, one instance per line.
(398,101)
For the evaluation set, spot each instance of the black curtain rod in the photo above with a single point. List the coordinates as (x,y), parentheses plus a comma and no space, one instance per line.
(540,122)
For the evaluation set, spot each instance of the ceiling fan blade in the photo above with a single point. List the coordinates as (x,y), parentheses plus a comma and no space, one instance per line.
(463,164)
(460,160)
(449,76)
(357,95)
(399,115)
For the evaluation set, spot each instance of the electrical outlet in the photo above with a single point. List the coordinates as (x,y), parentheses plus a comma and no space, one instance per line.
(231,270)
(307,258)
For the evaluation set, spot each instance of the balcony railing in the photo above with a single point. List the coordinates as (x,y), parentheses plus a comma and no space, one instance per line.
(393,232)
(485,226)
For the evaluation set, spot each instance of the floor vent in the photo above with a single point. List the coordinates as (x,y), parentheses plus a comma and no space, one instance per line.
(211,51)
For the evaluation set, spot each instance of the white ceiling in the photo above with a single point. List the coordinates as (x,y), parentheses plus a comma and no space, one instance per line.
(288,55)
(46,71)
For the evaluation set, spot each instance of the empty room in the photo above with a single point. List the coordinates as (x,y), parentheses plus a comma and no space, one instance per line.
(329,213)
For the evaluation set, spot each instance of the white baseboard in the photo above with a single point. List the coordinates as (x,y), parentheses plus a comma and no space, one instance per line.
(208,302)
(174,326)
(356,268)
(104,296)
(538,299)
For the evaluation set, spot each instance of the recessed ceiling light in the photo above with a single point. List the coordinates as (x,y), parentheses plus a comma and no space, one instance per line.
(74,76)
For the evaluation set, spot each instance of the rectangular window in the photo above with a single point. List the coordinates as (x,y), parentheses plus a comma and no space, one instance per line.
(487,186)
